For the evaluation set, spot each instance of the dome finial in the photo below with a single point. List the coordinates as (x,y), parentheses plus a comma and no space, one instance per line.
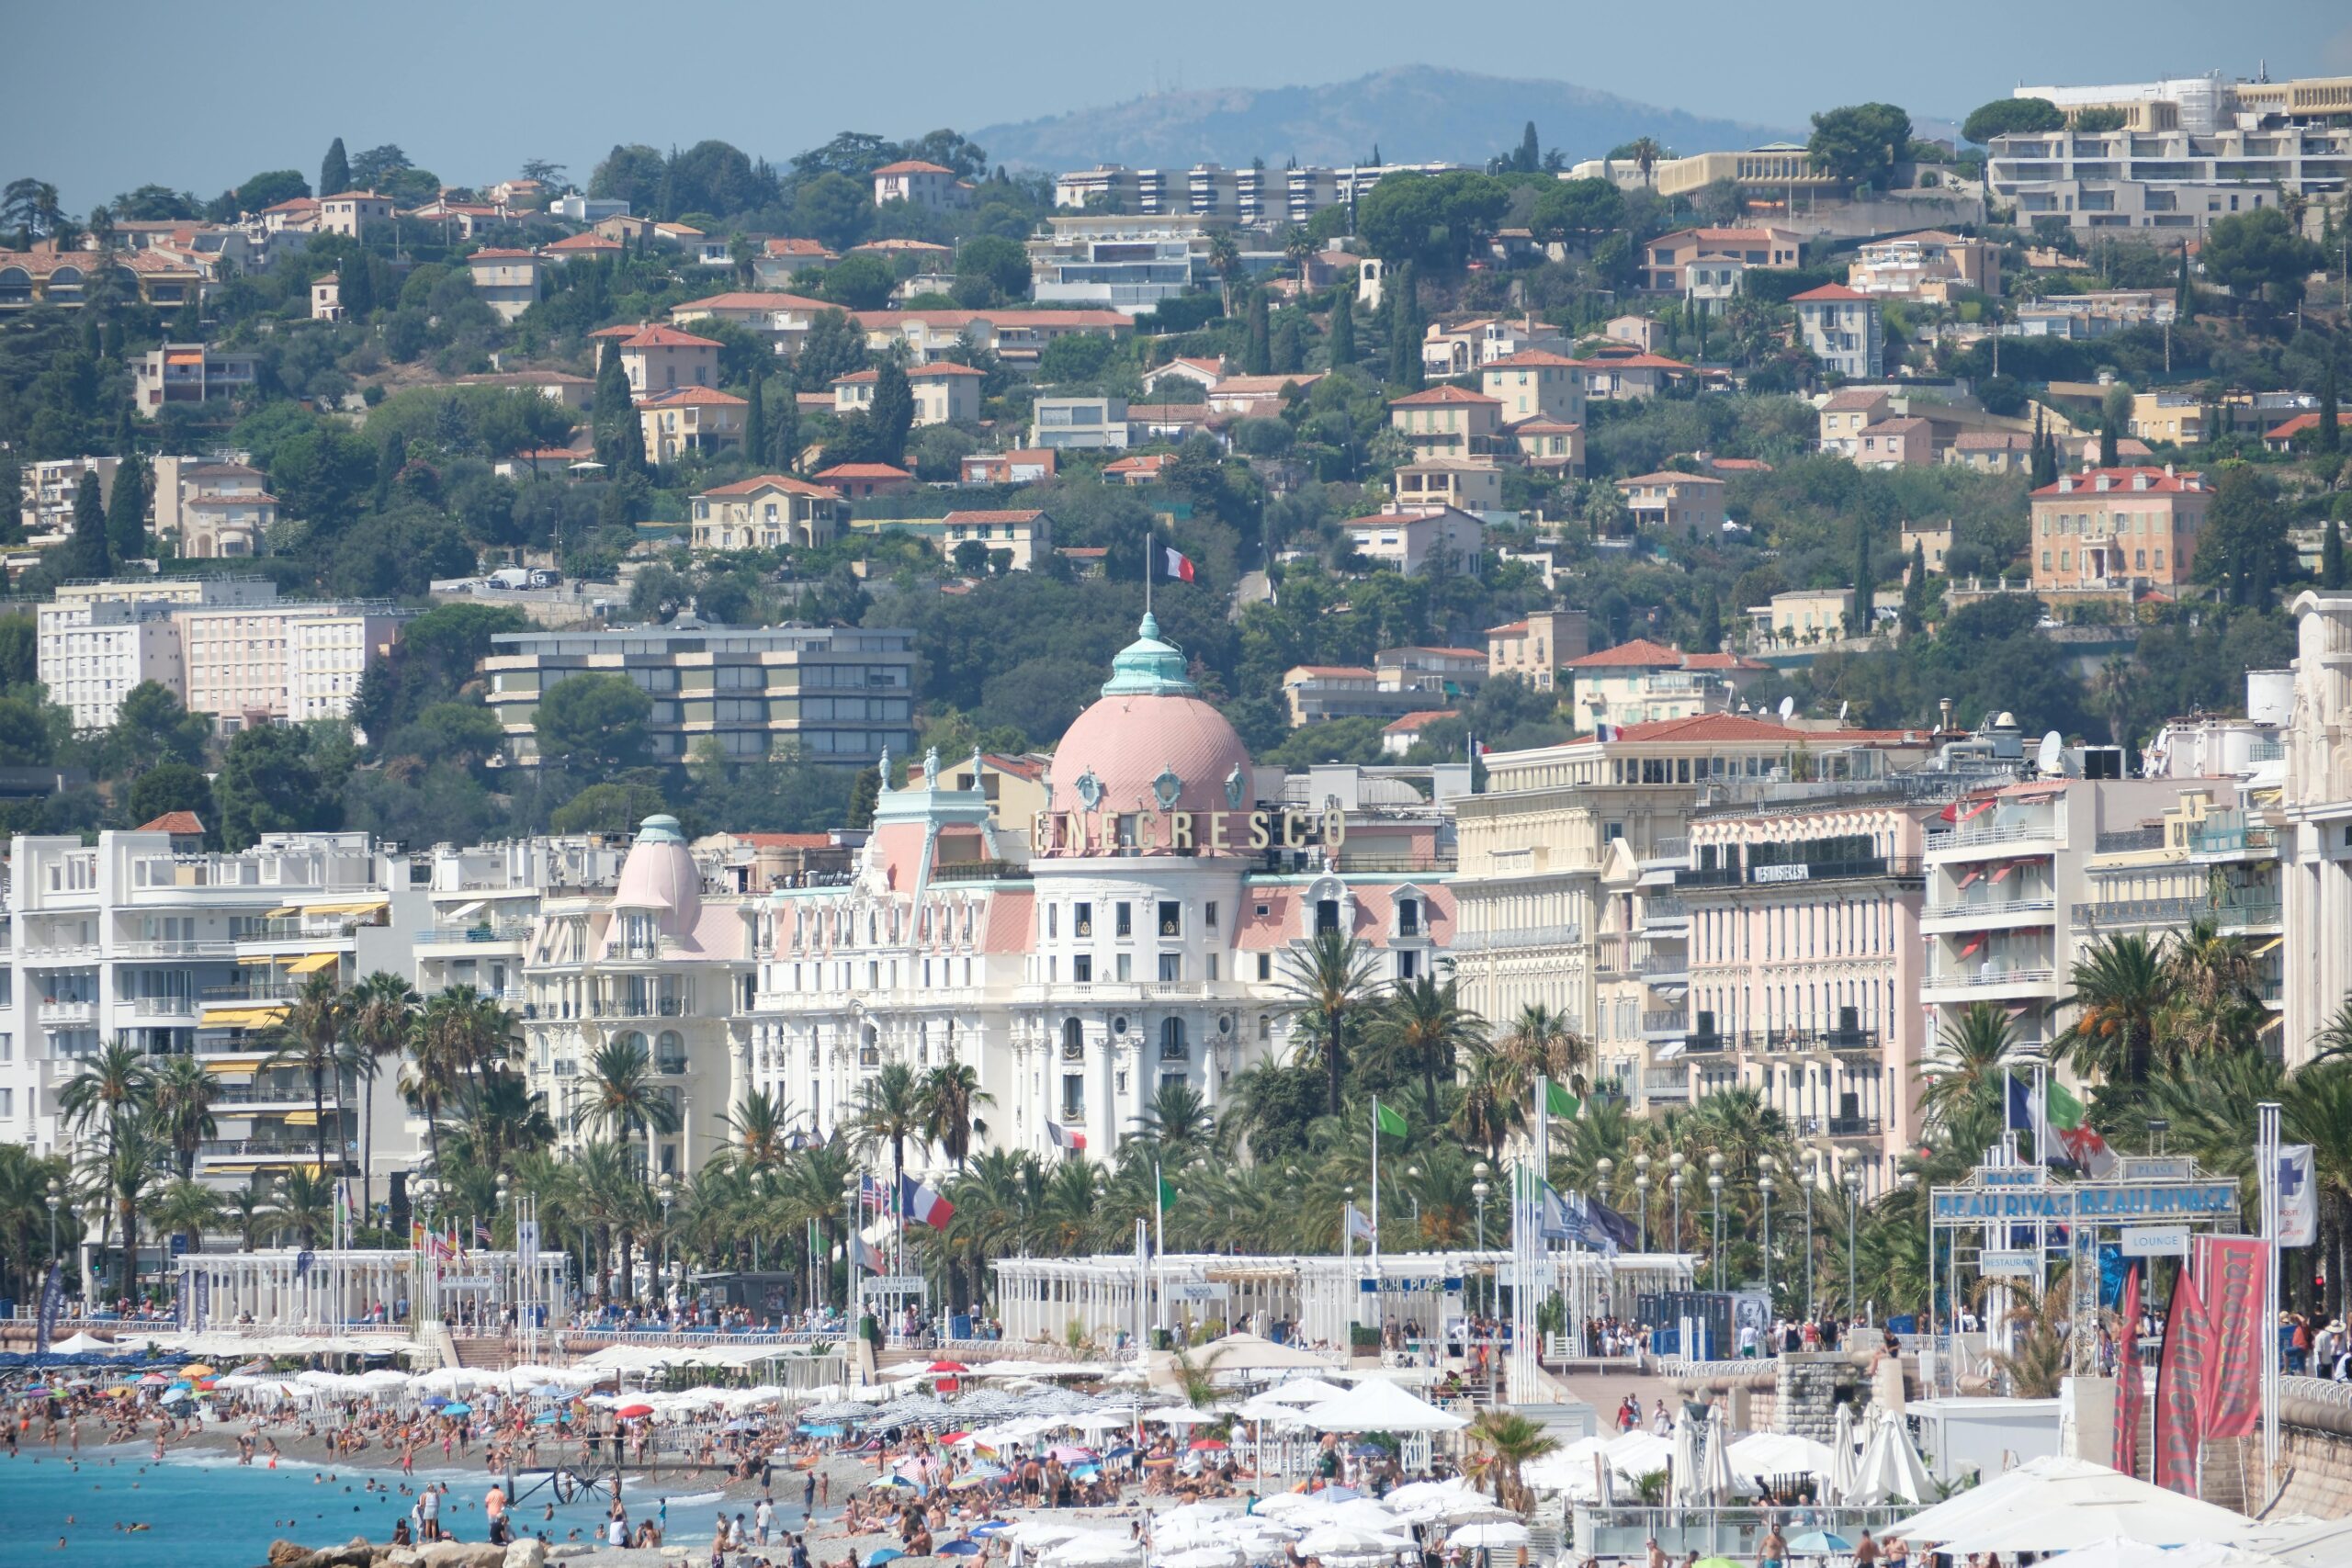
(1149,666)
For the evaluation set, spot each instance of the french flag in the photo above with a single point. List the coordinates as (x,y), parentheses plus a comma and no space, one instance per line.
(921,1203)
(1180,566)
(1066,1137)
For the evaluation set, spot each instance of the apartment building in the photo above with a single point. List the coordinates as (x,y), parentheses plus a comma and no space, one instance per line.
(2117,530)
(1449,481)
(1777,170)
(1841,328)
(1534,847)
(830,693)
(1664,258)
(190,373)
(484,903)
(509,281)
(1536,649)
(944,392)
(48,277)
(91,658)
(1926,267)
(1535,383)
(2315,842)
(2174,180)
(1676,501)
(147,938)
(1448,422)
(51,488)
(783,319)
(2008,882)
(1418,540)
(1131,263)
(690,420)
(661,961)
(1643,681)
(1251,196)
(1015,538)
(214,511)
(771,512)
(280,661)
(664,359)
(1087,424)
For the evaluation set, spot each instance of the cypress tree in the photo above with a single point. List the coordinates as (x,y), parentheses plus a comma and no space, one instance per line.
(784,431)
(127,509)
(334,173)
(2184,294)
(1289,345)
(2331,557)
(2107,443)
(893,415)
(1915,592)
(1342,338)
(755,424)
(1710,613)
(609,415)
(389,464)
(2330,434)
(1530,151)
(1404,330)
(1258,358)
(355,289)
(87,549)
(1865,582)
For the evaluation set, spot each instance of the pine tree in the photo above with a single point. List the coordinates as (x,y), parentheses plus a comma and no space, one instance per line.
(2331,557)
(127,508)
(755,424)
(2330,434)
(2045,455)
(893,415)
(88,553)
(334,173)
(1341,342)
(1865,584)
(1258,358)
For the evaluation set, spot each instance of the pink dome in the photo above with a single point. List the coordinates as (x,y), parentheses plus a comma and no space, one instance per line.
(660,875)
(1150,731)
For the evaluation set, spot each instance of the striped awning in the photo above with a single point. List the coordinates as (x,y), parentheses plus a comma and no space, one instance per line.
(244,1017)
(301,1119)
(221,1069)
(311,963)
(352,906)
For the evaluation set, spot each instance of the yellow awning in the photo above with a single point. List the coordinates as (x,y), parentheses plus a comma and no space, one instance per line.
(223,1069)
(2270,946)
(282,911)
(311,963)
(301,1119)
(357,906)
(244,1017)
(255,958)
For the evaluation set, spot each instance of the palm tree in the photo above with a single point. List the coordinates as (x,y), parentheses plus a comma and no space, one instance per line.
(1501,1442)
(2039,1364)
(992,1198)
(383,1011)
(180,1108)
(2334,1039)
(305,1203)
(889,1110)
(122,1175)
(1422,1029)
(808,1191)
(1298,246)
(618,1091)
(186,1207)
(1326,980)
(2316,1108)
(439,1047)
(312,1039)
(112,1089)
(2120,989)
(1969,1061)
(1063,1219)
(250,1204)
(1489,1109)
(2216,998)
(24,1211)
(1178,1119)
(1225,260)
(757,1121)
(947,1095)
(500,1119)
(1646,153)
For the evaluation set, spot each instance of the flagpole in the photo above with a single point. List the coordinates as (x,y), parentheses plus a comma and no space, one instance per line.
(1376,1211)
(2265,1155)
(1159,1242)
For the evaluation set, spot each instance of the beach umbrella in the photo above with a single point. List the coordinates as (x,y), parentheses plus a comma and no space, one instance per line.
(1067,1454)
(960,1548)
(153,1380)
(1715,1478)
(885,1555)
(1841,1455)
(196,1369)
(1499,1532)
(1205,1445)
(175,1395)
(990,1528)
(631,1411)
(1339,1540)
(1815,1543)
(2054,1503)
(1890,1470)
(947,1366)
(1202,1557)
(456,1407)
(1684,1465)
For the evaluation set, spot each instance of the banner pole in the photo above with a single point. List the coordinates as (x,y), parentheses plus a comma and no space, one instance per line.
(2267,1165)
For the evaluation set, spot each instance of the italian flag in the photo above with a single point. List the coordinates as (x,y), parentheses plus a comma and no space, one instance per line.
(2063,1118)
(1179,566)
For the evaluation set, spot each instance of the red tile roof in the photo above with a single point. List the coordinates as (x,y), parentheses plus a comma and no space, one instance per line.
(1668,476)
(1413,721)
(912,166)
(2126,482)
(183,822)
(496,254)
(788,247)
(774,481)
(864,472)
(1633,362)
(1542,424)
(1838,291)
(2298,424)
(1508,629)
(667,337)
(1853,402)
(784,840)
(1719,727)
(1330,670)
(590,241)
(1640,653)
(753,299)
(1438,396)
(1012,515)
(695,397)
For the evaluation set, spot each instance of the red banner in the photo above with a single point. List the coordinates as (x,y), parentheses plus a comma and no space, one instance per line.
(2129,1395)
(2178,1430)
(2231,1275)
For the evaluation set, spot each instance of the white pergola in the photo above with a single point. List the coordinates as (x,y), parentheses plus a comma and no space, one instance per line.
(278,1289)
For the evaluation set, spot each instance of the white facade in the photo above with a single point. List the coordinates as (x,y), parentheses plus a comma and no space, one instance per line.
(2317,876)
(90,657)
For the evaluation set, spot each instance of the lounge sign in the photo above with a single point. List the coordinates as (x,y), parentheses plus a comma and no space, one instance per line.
(1202,832)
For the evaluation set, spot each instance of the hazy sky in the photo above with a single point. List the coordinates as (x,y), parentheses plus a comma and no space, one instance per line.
(200,98)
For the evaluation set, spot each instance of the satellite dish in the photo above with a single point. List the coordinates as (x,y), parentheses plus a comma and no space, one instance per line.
(2051,757)
(1841,711)
(1788,707)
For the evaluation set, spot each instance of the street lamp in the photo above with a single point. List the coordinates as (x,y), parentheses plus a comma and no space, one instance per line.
(1853,1199)
(1479,1191)
(1413,1174)
(1765,1165)
(667,1191)
(1642,1202)
(56,1196)
(1676,1181)
(1715,1195)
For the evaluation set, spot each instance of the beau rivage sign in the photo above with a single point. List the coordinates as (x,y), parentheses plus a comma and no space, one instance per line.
(1186,833)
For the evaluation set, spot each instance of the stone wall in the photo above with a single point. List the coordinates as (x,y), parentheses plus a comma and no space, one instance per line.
(1808,1389)
(2316,1448)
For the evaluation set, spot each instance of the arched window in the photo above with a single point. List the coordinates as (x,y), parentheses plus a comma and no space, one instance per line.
(670,1052)
(1172,1039)
(1073,1039)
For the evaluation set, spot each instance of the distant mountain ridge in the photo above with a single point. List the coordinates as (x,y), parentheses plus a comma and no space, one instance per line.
(1410,113)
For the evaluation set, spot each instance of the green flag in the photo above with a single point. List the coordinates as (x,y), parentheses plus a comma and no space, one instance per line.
(1167,1193)
(1558,1101)
(2065,1110)
(1390,1125)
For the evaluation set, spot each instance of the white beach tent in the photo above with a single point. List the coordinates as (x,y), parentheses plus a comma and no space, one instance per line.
(2120,1551)
(2055,1504)
(1715,1481)
(1841,1455)
(1890,1470)
(1382,1408)
(1767,1454)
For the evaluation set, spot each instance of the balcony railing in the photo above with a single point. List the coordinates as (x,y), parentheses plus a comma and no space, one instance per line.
(1518,937)
(1841,1127)
(503,930)
(214,947)
(2126,840)
(1662,1083)
(1768,873)
(1658,963)
(272,1148)
(1990,976)
(68,1012)
(1657,1020)
(1971,833)
(2125,914)
(1953,908)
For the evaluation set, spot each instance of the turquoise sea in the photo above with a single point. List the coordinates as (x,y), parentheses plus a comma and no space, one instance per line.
(211,1512)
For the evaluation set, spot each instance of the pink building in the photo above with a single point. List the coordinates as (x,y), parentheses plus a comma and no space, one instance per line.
(1804,965)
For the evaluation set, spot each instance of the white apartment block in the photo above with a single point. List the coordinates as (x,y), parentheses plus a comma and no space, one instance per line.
(1252,196)
(2163,179)
(2316,843)
(148,939)
(51,489)
(485,899)
(228,647)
